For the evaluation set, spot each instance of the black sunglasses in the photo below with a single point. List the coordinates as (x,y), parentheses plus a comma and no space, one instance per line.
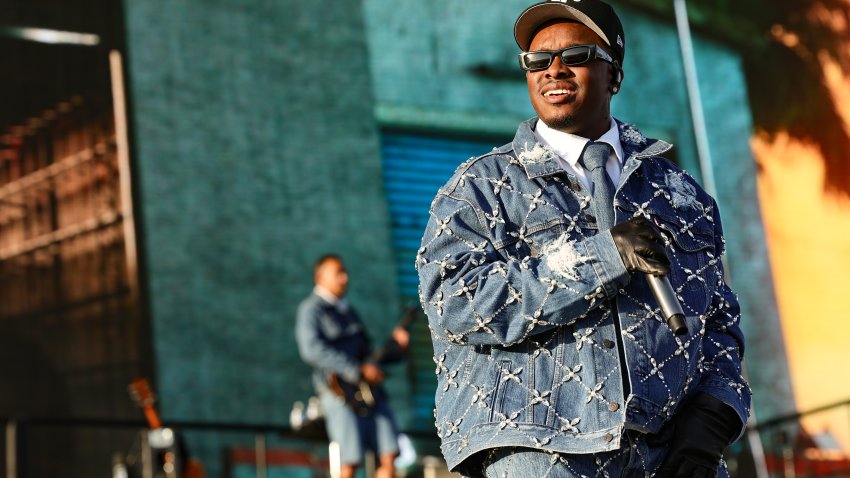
(571,56)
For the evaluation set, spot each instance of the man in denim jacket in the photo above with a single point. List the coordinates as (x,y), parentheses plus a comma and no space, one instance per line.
(332,340)
(552,356)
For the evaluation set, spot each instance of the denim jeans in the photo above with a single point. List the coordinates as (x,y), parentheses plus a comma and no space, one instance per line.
(354,433)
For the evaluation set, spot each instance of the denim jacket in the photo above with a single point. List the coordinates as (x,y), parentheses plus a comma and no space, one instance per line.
(330,341)
(518,283)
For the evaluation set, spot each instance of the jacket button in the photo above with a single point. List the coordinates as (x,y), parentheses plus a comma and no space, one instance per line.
(608,344)
(613,407)
(608,437)
(589,218)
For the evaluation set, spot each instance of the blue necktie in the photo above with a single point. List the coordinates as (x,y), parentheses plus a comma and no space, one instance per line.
(593,159)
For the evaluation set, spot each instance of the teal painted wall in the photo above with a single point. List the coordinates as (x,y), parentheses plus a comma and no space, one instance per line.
(253,158)
(256,152)
(451,66)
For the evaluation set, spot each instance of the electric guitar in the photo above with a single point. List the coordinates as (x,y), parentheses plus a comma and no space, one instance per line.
(171,458)
(362,396)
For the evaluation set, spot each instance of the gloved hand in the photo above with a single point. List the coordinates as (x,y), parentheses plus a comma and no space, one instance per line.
(641,246)
(703,427)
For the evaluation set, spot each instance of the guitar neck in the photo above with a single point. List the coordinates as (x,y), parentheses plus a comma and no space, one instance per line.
(143,396)
(141,393)
(152,417)
(378,355)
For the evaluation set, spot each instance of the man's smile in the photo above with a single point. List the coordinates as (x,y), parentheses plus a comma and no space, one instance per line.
(558,94)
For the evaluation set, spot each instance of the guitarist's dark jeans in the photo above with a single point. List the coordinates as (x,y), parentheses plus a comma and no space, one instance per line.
(355,434)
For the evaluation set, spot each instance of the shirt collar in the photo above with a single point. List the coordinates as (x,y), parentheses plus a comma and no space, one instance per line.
(570,146)
(538,159)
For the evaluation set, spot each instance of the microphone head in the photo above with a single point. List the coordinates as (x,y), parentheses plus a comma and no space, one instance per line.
(676,322)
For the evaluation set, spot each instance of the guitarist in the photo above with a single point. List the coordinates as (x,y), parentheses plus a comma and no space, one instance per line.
(332,340)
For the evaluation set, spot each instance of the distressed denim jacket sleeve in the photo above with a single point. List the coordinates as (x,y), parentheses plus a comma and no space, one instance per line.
(476,293)
(315,348)
(723,344)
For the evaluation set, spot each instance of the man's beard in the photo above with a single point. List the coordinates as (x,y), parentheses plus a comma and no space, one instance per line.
(562,123)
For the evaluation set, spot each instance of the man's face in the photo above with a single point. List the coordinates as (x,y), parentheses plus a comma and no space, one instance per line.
(572,99)
(333,277)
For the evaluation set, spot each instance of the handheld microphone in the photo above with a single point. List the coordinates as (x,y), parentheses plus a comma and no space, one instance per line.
(670,306)
(666,298)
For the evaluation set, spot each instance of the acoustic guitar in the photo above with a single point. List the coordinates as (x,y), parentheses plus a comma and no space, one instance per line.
(174,461)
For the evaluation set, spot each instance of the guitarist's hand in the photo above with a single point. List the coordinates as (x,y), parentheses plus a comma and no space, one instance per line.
(371,373)
(401,337)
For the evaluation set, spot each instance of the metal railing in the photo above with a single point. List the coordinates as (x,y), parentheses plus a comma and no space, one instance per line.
(18,431)
(793,450)
(790,450)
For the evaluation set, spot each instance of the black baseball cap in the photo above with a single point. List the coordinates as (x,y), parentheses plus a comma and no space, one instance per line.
(594,14)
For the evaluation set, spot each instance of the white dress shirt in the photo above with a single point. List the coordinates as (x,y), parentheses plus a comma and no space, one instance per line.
(569,147)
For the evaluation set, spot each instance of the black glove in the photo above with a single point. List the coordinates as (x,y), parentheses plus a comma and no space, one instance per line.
(641,246)
(702,430)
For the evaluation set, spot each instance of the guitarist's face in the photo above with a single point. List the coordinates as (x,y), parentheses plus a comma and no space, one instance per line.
(332,276)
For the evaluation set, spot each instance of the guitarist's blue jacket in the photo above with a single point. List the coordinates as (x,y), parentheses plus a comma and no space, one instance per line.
(332,340)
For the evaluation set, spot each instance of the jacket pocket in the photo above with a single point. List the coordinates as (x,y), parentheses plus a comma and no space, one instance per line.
(526,240)
(507,393)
